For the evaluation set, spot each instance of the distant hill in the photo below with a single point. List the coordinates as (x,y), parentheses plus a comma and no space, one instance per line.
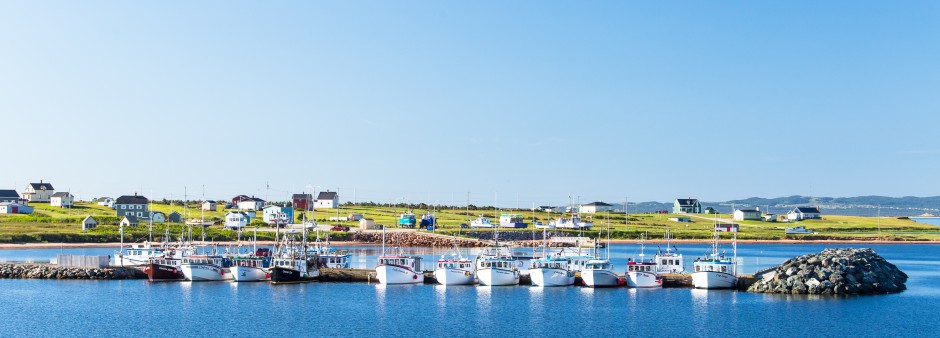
(850,206)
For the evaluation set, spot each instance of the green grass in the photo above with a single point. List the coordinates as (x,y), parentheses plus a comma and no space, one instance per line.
(53,224)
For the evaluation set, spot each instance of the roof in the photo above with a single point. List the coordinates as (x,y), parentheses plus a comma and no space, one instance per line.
(131,219)
(9,194)
(326,195)
(251,199)
(687,201)
(213,202)
(129,199)
(174,213)
(41,185)
(599,204)
(301,196)
(807,210)
(61,194)
(157,212)
(748,210)
(88,218)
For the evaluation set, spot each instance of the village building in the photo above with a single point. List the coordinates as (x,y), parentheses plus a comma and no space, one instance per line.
(747,214)
(237,199)
(236,220)
(302,201)
(687,206)
(726,227)
(710,211)
(10,196)
(15,208)
(158,217)
(251,203)
(327,200)
(61,199)
(277,215)
(546,208)
(129,221)
(129,205)
(39,192)
(367,224)
(89,223)
(595,207)
(209,206)
(801,213)
(105,202)
(175,217)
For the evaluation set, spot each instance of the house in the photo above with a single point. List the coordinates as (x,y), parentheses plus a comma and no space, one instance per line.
(687,206)
(725,227)
(251,203)
(367,224)
(769,218)
(280,215)
(129,221)
(595,207)
(89,223)
(158,217)
(175,217)
(302,201)
(15,208)
(39,192)
(105,202)
(238,198)
(135,205)
(9,196)
(711,211)
(545,208)
(61,199)
(236,220)
(801,213)
(327,200)
(208,206)
(747,214)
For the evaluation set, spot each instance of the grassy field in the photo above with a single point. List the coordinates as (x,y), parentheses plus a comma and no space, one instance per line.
(53,224)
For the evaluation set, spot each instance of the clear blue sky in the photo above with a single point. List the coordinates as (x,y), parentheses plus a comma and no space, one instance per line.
(425,100)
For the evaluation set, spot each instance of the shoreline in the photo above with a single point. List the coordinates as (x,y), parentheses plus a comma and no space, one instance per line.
(15,246)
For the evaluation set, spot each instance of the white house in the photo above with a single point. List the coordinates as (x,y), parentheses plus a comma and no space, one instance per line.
(236,220)
(158,217)
(89,223)
(9,196)
(280,215)
(129,220)
(801,213)
(747,214)
(38,192)
(61,199)
(726,227)
(595,207)
(106,202)
(251,203)
(326,200)
(208,206)
(15,208)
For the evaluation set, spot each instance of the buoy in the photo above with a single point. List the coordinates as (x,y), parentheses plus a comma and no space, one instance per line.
(414,277)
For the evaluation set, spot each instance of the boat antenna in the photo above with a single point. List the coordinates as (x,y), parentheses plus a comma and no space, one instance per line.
(734,244)
(607,245)
(150,227)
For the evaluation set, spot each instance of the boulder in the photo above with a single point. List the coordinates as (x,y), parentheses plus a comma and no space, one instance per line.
(835,271)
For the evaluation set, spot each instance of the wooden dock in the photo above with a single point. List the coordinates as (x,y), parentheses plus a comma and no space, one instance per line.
(685,281)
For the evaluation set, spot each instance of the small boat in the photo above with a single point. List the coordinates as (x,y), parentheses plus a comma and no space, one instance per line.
(481,222)
(799,230)
(293,270)
(398,269)
(496,267)
(198,268)
(137,254)
(512,221)
(428,220)
(573,222)
(454,270)
(253,268)
(599,272)
(164,269)
(551,271)
(199,222)
(715,271)
(328,257)
(643,273)
(407,220)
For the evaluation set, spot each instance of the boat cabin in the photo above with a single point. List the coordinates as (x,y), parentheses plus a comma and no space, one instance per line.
(454,264)
(712,266)
(550,263)
(496,263)
(165,261)
(252,262)
(287,263)
(202,260)
(334,261)
(641,267)
(602,265)
(413,263)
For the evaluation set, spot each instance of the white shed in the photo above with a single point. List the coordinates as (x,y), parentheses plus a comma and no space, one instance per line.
(89,223)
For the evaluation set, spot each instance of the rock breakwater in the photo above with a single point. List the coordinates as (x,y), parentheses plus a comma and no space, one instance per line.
(43,271)
(834,271)
(413,239)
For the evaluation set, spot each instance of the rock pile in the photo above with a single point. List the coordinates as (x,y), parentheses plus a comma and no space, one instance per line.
(834,271)
(40,271)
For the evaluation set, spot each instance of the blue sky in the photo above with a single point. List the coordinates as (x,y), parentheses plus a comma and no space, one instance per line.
(524,101)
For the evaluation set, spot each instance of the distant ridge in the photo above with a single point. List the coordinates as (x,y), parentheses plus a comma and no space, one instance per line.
(849,206)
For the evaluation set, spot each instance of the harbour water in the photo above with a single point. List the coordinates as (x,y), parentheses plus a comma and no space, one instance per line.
(140,308)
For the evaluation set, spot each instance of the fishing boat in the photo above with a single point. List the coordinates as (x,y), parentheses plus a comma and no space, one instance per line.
(164,269)
(398,268)
(512,221)
(642,273)
(454,269)
(252,268)
(198,268)
(481,222)
(798,230)
(715,270)
(497,266)
(407,220)
(428,220)
(294,269)
(137,254)
(573,222)
(599,272)
(327,257)
(550,269)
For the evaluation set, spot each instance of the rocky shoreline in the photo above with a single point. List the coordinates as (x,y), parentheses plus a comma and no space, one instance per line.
(43,271)
(834,271)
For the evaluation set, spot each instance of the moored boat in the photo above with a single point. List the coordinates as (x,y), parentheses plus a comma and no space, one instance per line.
(455,269)
(164,269)
(198,268)
(551,271)
(293,270)
(599,273)
(399,268)
(715,271)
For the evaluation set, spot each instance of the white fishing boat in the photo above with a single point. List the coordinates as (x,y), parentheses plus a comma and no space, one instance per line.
(715,271)
(399,268)
(327,257)
(496,266)
(550,270)
(599,272)
(573,222)
(798,230)
(454,269)
(137,254)
(251,269)
(512,221)
(199,268)
(481,222)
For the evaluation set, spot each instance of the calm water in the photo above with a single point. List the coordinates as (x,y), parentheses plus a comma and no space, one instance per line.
(124,308)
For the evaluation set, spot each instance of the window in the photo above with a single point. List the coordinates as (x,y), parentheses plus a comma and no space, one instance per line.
(123,207)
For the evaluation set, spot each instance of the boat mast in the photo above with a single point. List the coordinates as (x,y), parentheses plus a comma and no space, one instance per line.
(734,244)
(607,246)
(150,227)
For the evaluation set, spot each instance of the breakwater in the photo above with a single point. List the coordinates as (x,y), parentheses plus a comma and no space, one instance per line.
(46,271)
(833,271)
(417,240)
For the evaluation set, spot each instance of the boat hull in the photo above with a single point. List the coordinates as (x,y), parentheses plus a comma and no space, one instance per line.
(497,277)
(160,272)
(393,274)
(551,277)
(643,279)
(249,274)
(713,280)
(454,277)
(203,273)
(598,278)
(282,275)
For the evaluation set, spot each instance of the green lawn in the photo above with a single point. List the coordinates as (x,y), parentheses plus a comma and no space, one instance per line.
(53,224)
